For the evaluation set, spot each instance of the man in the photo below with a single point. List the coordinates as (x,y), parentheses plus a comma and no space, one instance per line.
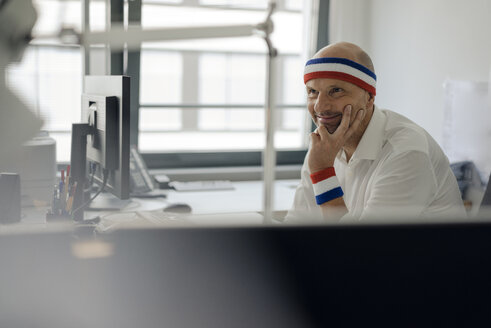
(365,162)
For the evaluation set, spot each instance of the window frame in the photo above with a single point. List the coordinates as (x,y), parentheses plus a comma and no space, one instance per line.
(164,160)
(239,158)
(219,159)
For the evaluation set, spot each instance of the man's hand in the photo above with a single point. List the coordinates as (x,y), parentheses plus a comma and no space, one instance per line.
(325,146)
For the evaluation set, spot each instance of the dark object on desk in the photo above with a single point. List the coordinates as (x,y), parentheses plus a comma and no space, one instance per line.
(178,208)
(486,199)
(468,178)
(9,198)
(53,217)
(93,220)
(162,181)
(157,193)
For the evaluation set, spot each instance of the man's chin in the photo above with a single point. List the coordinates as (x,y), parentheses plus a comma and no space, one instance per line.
(331,128)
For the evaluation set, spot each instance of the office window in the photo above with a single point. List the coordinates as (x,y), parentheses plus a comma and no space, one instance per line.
(199,95)
(49,77)
(231,79)
(237,3)
(218,86)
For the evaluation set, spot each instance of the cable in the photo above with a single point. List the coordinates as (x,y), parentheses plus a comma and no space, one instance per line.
(92,170)
(104,182)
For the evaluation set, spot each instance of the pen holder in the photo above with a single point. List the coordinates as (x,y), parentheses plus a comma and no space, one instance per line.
(53,217)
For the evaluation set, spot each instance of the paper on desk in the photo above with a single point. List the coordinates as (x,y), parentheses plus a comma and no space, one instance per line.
(226,219)
(139,219)
(114,221)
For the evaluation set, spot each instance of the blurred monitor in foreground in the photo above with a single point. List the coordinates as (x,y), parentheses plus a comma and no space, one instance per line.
(405,275)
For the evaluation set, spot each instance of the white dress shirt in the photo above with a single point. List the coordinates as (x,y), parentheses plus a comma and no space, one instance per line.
(397,170)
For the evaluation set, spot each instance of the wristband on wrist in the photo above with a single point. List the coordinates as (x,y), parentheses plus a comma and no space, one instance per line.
(326,185)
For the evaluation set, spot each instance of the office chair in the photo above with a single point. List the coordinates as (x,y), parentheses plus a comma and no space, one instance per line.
(486,200)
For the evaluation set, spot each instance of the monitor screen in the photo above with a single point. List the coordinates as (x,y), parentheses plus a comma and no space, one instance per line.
(101,142)
(106,105)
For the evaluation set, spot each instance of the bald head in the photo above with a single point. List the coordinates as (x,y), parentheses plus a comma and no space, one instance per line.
(346,50)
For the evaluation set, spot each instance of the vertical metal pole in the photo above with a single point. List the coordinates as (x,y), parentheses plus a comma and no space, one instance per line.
(323,24)
(133,70)
(269,154)
(190,94)
(107,54)
(85,30)
(489,88)
(116,15)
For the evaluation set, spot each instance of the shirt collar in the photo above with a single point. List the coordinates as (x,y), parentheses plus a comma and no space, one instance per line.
(373,139)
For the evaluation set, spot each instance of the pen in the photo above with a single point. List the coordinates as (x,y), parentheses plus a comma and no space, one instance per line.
(55,198)
(68,175)
(67,186)
(70,199)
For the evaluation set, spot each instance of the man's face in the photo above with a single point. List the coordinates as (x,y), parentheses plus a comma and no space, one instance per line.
(327,98)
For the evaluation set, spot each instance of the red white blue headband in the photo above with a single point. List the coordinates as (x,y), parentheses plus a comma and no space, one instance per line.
(341,69)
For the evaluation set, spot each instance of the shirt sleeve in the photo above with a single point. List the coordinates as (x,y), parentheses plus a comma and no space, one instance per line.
(405,184)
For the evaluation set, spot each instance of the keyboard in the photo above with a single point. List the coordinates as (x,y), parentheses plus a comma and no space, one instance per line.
(202,185)
(227,219)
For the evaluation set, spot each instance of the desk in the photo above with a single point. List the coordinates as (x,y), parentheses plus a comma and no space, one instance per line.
(241,206)
(247,197)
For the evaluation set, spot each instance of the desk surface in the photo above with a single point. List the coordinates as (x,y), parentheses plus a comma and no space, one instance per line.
(247,197)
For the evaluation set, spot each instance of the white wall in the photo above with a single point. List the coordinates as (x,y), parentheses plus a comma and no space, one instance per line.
(416,45)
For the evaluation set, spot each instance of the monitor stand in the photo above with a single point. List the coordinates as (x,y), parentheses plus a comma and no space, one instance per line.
(78,159)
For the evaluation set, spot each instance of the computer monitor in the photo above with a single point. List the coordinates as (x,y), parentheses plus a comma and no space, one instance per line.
(395,275)
(102,139)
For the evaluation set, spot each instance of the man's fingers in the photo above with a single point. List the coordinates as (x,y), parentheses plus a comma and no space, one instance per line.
(314,136)
(322,132)
(356,123)
(344,125)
